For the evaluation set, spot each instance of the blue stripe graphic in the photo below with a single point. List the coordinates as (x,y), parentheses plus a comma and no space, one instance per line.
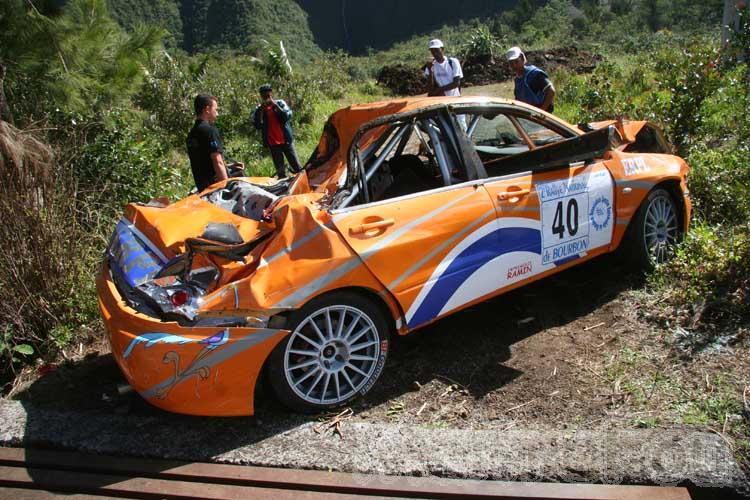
(136,262)
(489,247)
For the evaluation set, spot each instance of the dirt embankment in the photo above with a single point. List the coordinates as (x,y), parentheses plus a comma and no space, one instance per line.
(404,79)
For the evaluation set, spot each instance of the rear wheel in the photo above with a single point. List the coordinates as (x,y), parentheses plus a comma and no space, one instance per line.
(655,230)
(335,352)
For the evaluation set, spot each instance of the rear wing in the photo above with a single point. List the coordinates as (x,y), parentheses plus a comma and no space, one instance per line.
(582,148)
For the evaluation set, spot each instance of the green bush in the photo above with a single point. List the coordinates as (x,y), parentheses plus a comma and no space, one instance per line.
(705,288)
(172,83)
(481,45)
(685,79)
(123,163)
(331,74)
(167,97)
(720,183)
(599,96)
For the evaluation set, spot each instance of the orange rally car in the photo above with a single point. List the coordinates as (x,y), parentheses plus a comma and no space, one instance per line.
(400,217)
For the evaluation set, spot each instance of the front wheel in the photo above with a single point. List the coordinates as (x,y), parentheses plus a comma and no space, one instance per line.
(335,352)
(655,230)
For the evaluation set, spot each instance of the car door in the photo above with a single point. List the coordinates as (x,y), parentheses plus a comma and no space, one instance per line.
(546,217)
(423,246)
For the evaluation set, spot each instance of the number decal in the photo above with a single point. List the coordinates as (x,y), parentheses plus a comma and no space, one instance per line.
(557,223)
(564,208)
(572,216)
(572,219)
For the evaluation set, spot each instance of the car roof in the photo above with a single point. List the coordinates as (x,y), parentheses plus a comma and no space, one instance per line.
(348,120)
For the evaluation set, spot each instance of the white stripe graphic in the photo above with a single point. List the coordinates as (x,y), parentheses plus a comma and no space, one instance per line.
(493,225)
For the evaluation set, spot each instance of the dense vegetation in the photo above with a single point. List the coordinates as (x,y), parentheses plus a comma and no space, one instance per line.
(228,25)
(100,110)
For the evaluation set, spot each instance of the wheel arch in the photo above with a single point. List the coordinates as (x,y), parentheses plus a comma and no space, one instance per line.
(628,248)
(673,187)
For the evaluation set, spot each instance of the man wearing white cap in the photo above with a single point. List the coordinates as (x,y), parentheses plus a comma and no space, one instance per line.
(533,86)
(444,72)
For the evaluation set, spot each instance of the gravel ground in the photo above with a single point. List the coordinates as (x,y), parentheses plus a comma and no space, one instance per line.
(625,456)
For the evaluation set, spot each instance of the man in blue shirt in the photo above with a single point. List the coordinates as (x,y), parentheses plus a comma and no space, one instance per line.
(533,86)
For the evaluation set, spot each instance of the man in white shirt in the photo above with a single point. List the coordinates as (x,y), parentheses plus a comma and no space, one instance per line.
(444,72)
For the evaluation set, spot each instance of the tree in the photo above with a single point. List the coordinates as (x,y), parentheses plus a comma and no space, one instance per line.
(652,13)
(5,114)
(730,21)
(78,60)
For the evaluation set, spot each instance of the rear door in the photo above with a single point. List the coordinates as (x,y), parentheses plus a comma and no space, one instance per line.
(423,247)
(546,217)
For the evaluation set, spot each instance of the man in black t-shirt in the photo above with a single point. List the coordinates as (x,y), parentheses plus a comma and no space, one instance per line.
(204,145)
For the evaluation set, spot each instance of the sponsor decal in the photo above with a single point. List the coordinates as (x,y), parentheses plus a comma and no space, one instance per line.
(600,214)
(560,189)
(378,367)
(196,367)
(564,210)
(519,270)
(634,166)
(566,250)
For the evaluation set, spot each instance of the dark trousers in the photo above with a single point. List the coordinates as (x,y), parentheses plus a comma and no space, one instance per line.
(278,153)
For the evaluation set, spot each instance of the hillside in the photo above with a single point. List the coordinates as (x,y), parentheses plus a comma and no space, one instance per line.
(304,25)
(358,25)
(204,25)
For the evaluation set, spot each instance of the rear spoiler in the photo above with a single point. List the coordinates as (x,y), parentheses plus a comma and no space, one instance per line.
(582,148)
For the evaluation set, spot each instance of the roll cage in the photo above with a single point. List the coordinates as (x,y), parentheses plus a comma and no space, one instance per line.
(380,165)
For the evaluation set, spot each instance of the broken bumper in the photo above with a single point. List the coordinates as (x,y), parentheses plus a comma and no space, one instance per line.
(191,370)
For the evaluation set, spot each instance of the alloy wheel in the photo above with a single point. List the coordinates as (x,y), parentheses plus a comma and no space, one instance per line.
(331,355)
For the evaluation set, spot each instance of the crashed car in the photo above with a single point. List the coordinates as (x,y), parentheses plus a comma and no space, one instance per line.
(401,217)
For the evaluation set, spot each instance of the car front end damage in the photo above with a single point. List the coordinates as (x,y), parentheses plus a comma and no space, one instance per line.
(186,333)
(194,370)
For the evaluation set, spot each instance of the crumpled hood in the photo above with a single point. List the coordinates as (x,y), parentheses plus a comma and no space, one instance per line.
(169,226)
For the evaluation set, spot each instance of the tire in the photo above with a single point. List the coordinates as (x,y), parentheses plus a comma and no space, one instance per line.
(654,231)
(326,362)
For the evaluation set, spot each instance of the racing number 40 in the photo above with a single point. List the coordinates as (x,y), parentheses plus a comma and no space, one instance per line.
(571,219)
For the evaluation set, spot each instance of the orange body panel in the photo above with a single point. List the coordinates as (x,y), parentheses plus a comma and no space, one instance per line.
(198,371)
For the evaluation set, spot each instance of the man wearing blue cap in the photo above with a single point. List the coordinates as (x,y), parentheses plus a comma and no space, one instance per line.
(533,86)
(272,117)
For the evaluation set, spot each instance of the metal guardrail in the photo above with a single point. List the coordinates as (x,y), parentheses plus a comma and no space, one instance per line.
(42,474)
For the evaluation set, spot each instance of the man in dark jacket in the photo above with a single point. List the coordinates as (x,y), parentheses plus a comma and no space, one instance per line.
(272,117)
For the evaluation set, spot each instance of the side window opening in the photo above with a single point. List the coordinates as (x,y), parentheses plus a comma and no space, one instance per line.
(539,134)
(499,136)
(411,156)
(329,143)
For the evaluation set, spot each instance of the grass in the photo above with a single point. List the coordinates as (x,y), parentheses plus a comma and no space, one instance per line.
(651,387)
